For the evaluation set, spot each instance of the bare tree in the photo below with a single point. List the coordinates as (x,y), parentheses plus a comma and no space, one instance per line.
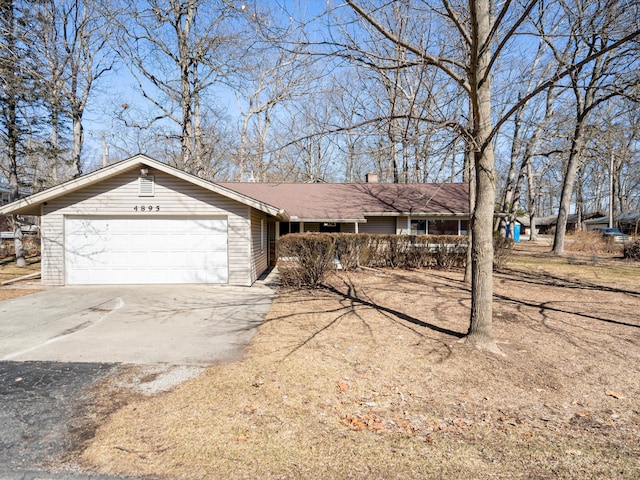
(406,105)
(177,50)
(18,75)
(72,38)
(272,77)
(482,36)
(592,29)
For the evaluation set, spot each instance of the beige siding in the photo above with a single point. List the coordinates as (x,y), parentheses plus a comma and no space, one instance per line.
(119,196)
(385,225)
(401,226)
(259,244)
(350,228)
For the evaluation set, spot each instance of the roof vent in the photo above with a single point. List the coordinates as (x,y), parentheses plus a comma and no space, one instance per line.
(146,186)
(371,178)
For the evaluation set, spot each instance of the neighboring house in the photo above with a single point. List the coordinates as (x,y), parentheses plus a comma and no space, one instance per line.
(140,221)
(547,225)
(6,228)
(596,223)
(628,223)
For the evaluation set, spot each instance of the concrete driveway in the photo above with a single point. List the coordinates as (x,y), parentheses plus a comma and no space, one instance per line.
(175,324)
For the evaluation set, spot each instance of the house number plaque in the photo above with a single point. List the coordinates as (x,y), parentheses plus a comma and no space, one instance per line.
(146,208)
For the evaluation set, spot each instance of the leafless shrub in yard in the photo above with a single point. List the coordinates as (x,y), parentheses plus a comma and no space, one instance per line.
(355,250)
(305,259)
(449,255)
(591,242)
(502,251)
(632,250)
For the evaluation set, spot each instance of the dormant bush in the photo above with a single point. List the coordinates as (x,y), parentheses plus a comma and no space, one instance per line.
(502,250)
(632,250)
(304,259)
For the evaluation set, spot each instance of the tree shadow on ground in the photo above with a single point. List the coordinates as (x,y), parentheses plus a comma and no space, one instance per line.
(550,280)
(544,279)
(352,296)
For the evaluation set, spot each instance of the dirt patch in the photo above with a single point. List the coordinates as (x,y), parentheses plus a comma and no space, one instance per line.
(368,378)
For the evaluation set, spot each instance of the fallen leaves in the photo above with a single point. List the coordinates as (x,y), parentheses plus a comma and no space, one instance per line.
(369,422)
(614,394)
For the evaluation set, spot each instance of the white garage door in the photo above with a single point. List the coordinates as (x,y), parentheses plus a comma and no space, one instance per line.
(145,250)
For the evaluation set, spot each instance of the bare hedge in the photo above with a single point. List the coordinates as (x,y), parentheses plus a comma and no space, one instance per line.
(304,259)
(632,250)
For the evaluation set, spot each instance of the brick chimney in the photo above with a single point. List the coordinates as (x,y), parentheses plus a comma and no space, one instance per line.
(371,178)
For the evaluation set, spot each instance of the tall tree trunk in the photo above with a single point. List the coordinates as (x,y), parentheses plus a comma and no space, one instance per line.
(567,188)
(509,192)
(54,138)
(579,199)
(469,178)
(481,322)
(11,99)
(198,139)
(183,32)
(533,236)
(78,139)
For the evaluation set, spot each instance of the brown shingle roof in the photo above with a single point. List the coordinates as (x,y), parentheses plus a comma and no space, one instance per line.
(352,201)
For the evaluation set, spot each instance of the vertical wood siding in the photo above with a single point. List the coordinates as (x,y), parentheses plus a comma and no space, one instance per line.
(385,225)
(118,196)
(350,228)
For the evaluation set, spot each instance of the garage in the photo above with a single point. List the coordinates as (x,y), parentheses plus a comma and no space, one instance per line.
(140,221)
(147,250)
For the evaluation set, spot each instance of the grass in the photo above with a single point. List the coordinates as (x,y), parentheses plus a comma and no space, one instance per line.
(9,270)
(367,378)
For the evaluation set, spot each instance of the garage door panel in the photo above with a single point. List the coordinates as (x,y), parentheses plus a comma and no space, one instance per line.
(146,250)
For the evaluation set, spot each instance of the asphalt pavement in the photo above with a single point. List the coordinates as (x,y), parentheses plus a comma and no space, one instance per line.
(39,407)
(57,344)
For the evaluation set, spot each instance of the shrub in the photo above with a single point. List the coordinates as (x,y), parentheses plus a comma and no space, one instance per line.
(448,254)
(305,259)
(502,250)
(590,242)
(632,250)
(354,250)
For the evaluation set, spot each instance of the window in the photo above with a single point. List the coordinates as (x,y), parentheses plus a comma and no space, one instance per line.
(418,227)
(329,227)
(146,186)
(289,227)
(443,227)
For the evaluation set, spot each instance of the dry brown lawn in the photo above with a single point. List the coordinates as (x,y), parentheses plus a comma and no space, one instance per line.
(8,271)
(368,379)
